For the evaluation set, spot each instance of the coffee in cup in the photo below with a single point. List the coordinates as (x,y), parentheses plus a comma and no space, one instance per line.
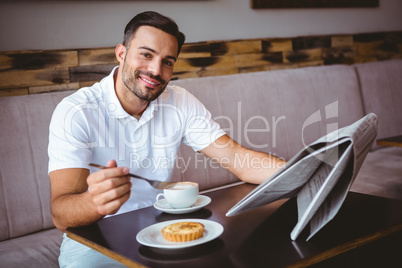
(180,194)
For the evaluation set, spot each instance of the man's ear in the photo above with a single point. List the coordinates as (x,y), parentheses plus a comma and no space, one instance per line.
(120,52)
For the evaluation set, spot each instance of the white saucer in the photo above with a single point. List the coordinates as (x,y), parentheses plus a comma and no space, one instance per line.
(152,235)
(201,202)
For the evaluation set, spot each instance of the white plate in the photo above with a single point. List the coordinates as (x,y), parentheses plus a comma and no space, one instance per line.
(152,235)
(201,202)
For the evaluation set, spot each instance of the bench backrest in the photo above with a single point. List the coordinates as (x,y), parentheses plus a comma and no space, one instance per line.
(277,112)
(24,182)
(381,85)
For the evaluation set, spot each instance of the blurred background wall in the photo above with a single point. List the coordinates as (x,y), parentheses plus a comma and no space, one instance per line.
(43,25)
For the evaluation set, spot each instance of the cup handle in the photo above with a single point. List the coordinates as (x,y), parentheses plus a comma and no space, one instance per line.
(160,195)
(162,202)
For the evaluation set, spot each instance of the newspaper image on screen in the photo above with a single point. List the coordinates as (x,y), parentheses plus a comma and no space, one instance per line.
(320,176)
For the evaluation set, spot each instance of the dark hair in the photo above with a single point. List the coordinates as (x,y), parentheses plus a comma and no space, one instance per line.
(154,19)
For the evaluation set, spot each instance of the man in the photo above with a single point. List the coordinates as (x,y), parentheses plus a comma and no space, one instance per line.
(130,113)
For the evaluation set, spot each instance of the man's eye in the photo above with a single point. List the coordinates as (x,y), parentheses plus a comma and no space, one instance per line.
(146,55)
(168,63)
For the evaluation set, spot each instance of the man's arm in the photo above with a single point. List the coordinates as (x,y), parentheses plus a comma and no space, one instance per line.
(248,165)
(73,205)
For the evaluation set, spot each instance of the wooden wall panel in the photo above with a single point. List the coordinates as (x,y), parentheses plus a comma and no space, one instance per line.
(100,56)
(303,55)
(13,92)
(238,47)
(90,72)
(32,72)
(43,77)
(342,41)
(197,50)
(37,60)
(260,59)
(198,64)
(339,55)
(59,87)
(276,45)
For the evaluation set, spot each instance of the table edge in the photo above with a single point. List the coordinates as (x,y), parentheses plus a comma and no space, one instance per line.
(111,254)
(340,249)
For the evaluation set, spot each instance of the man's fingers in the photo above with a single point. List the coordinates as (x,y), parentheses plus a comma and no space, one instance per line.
(107,184)
(114,205)
(110,188)
(111,164)
(104,174)
(110,194)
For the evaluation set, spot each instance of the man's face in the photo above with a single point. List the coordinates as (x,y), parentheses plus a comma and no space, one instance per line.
(148,63)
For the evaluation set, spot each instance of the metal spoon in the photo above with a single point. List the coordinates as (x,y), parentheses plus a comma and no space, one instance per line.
(156,184)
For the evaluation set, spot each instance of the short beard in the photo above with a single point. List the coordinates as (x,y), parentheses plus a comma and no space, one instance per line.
(130,81)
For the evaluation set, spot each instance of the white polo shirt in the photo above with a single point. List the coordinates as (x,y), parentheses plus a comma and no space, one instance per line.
(92,126)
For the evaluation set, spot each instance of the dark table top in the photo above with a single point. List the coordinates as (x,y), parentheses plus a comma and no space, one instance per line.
(257,238)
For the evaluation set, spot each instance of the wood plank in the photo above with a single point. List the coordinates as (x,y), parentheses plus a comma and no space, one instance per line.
(198,64)
(229,48)
(369,48)
(27,78)
(87,83)
(255,69)
(277,45)
(310,63)
(100,56)
(184,65)
(364,59)
(13,92)
(195,50)
(369,37)
(283,66)
(184,75)
(339,55)
(396,57)
(342,41)
(379,49)
(380,46)
(259,59)
(188,55)
(37,60)
(204,73)
(304,55)
(90,72)
(216,72)
(52,88)
(310,42)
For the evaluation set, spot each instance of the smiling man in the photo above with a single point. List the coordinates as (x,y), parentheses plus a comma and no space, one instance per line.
(132,114)
(147,66)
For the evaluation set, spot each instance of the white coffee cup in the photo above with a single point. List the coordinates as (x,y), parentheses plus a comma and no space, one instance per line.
(180,195)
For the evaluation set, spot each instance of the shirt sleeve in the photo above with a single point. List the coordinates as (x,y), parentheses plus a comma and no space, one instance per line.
(68,138)
(200,129)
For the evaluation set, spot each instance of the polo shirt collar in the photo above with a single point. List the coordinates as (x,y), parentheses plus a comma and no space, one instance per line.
(113,105)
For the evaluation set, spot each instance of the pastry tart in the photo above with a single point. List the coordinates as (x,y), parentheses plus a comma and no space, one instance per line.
(183,231)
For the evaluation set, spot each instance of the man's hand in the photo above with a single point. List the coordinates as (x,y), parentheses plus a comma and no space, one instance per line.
(79,198)
(109,188)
